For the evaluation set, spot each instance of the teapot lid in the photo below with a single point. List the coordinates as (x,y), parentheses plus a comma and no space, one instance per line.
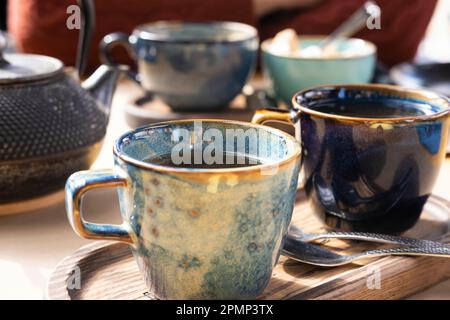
(16,67)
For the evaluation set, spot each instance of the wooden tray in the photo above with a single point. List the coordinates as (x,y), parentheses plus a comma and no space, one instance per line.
(107,270)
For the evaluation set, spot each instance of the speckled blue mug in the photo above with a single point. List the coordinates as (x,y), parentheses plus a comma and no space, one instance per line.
(196,233)
(190,66)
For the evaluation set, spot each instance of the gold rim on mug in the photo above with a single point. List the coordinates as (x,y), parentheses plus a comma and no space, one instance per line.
(291,156)
(400,92)
(247,31)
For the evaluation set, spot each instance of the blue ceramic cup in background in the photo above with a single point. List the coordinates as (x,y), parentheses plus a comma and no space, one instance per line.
(197,233)
(190,66)
(370,153)
(290,73)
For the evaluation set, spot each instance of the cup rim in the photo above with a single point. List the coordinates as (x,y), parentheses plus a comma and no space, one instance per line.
(420,94)
(291,156)
(371,52)
(248,32)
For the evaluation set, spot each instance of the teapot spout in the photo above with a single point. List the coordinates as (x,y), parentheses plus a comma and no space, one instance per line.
(102,83)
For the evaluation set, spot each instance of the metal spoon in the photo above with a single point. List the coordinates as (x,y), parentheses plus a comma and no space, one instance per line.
(352,25)
(319,256)
(297,234)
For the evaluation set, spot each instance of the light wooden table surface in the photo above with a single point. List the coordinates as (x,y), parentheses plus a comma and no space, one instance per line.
(31,244)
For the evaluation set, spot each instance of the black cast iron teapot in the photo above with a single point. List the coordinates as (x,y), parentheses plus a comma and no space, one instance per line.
(50,124)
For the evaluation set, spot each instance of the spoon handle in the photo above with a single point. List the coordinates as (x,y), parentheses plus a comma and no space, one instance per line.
(432,251)
(321,256)
(373,237)
(353,24)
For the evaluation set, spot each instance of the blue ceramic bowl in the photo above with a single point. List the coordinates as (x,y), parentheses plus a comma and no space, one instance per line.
(195,66)
(289,74)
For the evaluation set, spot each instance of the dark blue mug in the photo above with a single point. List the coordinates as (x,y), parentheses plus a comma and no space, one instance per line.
(370,153)
(190,66)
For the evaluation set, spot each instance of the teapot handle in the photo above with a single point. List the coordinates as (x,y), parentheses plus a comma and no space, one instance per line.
(86,33)
(109,42)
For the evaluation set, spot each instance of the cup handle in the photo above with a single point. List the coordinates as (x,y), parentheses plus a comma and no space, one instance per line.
(77,185)
(109,42)
(264,115)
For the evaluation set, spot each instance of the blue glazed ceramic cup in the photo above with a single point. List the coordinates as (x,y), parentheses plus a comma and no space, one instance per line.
(197,233)
(288,74)
(191,66)
(370,153)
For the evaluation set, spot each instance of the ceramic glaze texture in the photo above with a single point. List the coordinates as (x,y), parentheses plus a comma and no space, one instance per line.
(289,74)
(208,235)
(195,66)
(371,175)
